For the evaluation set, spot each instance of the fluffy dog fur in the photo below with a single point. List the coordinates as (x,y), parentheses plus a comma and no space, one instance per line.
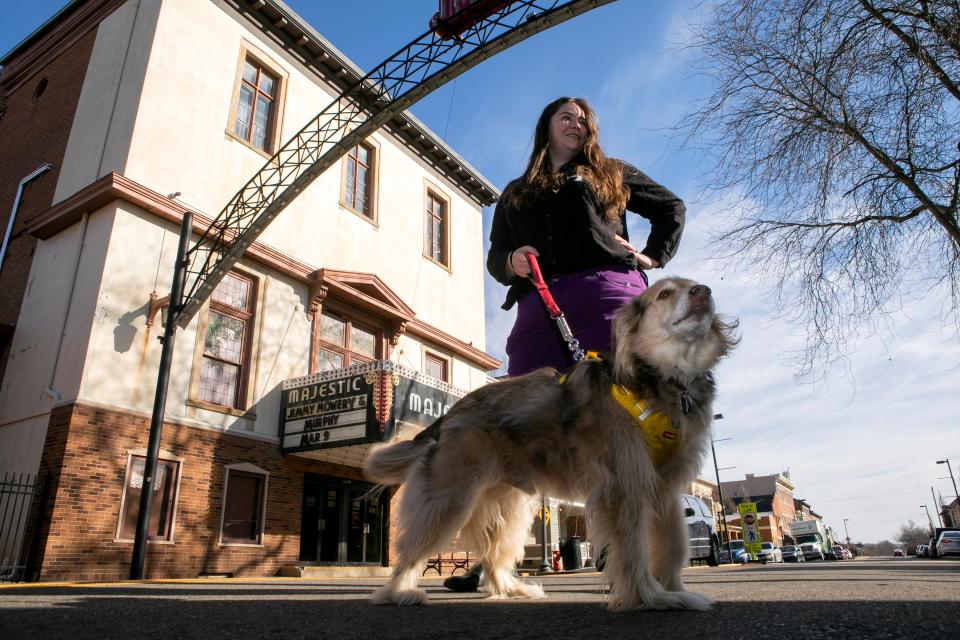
(479,469)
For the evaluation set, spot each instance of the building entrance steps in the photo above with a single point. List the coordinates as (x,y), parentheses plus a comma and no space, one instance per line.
(359,571)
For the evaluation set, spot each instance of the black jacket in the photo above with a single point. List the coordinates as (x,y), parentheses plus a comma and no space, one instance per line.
(572,234)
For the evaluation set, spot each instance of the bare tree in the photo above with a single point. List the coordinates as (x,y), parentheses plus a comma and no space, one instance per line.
(911,534)
(837,122)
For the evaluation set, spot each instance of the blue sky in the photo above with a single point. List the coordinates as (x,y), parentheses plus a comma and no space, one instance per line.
(861,446)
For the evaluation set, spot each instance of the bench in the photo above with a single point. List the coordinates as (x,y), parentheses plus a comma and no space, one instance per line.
(452,559)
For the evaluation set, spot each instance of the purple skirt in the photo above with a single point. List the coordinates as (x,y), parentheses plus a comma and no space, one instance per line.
(588,299)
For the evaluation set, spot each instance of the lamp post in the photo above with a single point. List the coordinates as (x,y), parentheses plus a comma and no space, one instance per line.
(928,518)
(723,511)
(846,531)
(544,559)
(946,461)
(956,495)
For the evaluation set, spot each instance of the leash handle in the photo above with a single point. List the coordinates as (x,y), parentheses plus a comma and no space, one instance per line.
(536,276)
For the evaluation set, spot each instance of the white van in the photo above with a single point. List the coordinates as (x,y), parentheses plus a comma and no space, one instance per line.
(702,529)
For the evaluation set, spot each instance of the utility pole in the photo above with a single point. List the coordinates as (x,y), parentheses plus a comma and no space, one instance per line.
(934,496)
(846,531)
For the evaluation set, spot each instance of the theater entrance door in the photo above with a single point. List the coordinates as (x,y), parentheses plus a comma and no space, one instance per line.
(342,524)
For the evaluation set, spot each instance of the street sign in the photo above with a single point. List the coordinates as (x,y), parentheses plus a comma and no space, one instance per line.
(751,526)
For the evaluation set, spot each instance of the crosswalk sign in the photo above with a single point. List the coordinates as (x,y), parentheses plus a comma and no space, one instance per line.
(751,526)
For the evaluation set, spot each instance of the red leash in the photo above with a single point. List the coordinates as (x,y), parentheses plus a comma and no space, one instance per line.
(553,309)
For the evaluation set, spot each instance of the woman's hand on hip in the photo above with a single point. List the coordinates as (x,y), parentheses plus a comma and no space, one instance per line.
(643,261)
(517,260)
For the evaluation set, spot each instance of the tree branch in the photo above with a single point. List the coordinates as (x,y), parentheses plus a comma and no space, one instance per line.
(915,47)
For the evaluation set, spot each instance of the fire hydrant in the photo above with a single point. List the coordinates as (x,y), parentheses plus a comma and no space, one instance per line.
(556,560)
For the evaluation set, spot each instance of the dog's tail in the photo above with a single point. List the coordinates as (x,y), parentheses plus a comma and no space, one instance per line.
(388,463)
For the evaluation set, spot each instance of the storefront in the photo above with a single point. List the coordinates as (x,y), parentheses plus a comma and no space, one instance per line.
(344,522)
(336,416)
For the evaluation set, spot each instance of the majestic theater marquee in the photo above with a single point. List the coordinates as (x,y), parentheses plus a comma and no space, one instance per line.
(361,404)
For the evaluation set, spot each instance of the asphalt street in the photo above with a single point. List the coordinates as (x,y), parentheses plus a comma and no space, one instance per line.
(862,598)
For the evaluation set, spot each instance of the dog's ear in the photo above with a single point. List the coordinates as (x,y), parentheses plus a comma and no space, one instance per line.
(625,325)
(726,329)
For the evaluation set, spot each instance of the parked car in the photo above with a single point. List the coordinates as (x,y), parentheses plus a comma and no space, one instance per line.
(898,553)
(847,554)
(932,545)
(740,554)
(792,553)
(948,544)
(769,552)
(811,551)
(921,551)
(836,552)
(701,529)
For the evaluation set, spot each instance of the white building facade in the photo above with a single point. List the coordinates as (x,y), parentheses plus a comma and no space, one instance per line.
(375,268)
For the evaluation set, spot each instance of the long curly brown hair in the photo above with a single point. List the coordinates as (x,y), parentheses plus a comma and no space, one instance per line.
(591,163)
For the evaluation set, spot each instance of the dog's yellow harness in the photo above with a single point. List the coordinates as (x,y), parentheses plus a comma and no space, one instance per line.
(662,438)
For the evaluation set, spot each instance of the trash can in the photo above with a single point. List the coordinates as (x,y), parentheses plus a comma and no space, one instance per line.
(570,552)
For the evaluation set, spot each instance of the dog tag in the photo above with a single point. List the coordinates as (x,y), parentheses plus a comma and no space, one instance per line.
(686,404)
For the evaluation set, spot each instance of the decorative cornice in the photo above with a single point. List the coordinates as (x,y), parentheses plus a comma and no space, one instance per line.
(455,345)
(318,293)
(365,290)
(114,186)
(51,39)
(397,332)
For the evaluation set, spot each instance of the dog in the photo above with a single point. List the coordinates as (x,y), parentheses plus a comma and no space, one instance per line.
(480,468)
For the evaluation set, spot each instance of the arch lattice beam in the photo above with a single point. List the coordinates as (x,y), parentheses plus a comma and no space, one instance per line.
(404,78)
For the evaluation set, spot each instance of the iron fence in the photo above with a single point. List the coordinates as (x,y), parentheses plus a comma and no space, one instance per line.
(17,493)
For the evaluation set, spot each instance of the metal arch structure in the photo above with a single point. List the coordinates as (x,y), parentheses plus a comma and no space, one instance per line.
(404,78)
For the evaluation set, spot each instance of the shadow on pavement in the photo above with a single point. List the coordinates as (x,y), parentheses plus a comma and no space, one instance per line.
(342,612)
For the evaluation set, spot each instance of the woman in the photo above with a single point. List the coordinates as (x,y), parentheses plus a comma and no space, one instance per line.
(568,210)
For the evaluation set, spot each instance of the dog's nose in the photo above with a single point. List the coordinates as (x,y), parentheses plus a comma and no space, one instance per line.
(700,291)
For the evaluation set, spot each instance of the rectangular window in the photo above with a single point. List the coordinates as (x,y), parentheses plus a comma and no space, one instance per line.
(358,180)
(161,507)
(343,343)
(436,367)
(435,229)
(256,114)
(226,345)
(243,508)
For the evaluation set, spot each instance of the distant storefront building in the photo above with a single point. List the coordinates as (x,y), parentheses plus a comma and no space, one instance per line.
(773,495)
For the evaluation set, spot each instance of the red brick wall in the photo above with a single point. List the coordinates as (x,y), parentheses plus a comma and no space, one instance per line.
(85,455)
(33,131)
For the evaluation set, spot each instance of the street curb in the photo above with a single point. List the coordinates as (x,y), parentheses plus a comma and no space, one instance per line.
(217,580)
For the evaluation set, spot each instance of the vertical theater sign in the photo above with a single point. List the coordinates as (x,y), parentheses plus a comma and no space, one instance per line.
(362,404)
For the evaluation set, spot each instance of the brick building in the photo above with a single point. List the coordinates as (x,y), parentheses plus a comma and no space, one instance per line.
(773,495)
(123,115)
